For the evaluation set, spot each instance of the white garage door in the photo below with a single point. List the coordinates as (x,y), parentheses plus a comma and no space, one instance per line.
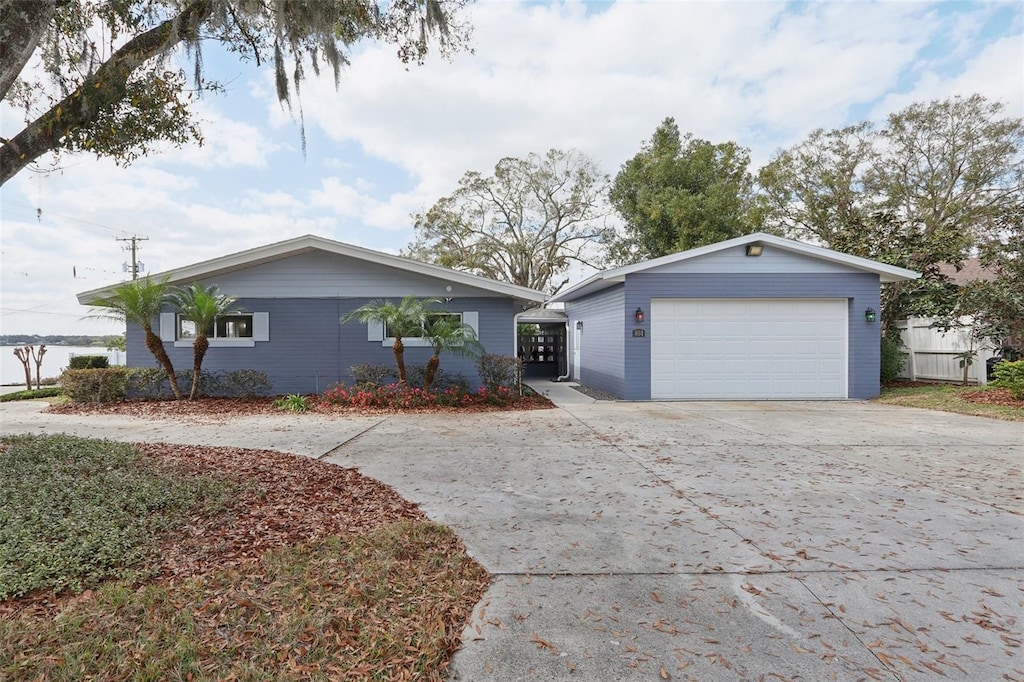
(748,348)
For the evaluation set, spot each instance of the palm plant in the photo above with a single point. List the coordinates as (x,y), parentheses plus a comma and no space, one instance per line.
(201,305)
(407,318)
(449,333)
(139,302)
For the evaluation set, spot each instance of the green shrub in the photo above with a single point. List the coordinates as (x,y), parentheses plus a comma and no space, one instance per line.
(75,511)
(148,383)
(95,385)
(892,357)
(442,380)
(245,383)
(500,371)
(292,403)
(151,383)
(89,362)
(1010,375)
(48,392)
(367,375)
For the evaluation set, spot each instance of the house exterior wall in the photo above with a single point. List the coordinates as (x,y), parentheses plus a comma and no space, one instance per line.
(735,260)
(603,336)
(860,289)
(327,275)
(310,350)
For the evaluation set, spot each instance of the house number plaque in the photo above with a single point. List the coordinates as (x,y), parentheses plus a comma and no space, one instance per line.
(637,333)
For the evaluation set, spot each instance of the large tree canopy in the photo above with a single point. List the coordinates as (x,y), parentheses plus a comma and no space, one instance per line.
(679,193)
(523,225)
(109,82)
(937,181)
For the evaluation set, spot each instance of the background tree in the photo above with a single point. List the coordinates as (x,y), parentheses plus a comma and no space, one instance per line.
(201,306)
(679,193)
(815,190)
(447,333)
(110,83)
(24,354)
(926,189)
(523,225)
(139,302)
(37,358)
(407,318)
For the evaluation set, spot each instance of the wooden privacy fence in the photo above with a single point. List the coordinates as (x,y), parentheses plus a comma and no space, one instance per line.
(931,353)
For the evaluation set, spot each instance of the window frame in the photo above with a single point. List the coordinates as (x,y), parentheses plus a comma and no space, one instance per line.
(421,341)
(255,333)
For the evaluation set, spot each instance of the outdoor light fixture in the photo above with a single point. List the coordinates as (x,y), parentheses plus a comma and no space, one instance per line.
(579,324)
(755,249)
(639,315)
(869,315)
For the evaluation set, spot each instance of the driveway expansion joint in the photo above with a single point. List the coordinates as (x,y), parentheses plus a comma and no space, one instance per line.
(337,448)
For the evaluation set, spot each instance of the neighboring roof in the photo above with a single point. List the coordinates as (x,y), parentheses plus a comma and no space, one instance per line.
(309,243)
(607,278)
(970,271)
(541,316)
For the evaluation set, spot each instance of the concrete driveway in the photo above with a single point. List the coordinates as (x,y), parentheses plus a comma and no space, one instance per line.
(705,541)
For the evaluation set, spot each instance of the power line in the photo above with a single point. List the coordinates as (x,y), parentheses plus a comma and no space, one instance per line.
(14,202)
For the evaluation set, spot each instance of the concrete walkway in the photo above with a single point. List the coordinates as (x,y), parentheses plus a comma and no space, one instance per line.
(704,541)
(561,393)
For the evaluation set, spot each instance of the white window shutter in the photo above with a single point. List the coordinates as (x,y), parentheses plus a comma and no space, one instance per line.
(375,330)
(472,320)
(261,326)
(168,322)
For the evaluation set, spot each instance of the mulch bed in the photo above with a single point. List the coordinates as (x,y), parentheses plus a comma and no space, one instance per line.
(224,408)
(283,500)
(990,396)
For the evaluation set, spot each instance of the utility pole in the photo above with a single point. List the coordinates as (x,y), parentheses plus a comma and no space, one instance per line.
(134,239)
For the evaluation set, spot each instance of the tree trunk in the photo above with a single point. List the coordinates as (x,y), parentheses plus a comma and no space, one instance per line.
(23,355)
(99,91)
(428,376)
(22,24)
(156,347)
(399,349)
(199,348)
(38,359)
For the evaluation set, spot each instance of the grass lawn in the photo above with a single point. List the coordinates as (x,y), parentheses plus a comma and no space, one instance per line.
(181,562)
(980,401)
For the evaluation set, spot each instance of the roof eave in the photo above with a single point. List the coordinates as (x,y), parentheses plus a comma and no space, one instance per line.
(307,243)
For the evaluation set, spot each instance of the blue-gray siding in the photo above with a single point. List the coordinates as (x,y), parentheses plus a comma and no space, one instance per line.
(327,275)
(310,350)
(861,289)
(602,346)
(735,260)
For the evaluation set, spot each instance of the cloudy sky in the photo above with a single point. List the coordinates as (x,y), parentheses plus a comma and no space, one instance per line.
(390,141)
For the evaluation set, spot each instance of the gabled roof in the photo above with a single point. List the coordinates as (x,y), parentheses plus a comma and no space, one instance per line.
(970,270)
(309,243)
(607,278)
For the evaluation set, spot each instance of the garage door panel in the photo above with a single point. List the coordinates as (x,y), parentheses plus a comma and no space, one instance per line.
(748,348)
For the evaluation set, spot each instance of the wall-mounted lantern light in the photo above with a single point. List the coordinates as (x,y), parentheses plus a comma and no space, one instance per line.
(579,324)
(869,315)
(755,250)
(639,315)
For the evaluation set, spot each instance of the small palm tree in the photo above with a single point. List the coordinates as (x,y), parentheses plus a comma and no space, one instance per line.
(139,302)
(449,333)
(201,305)
(407,318)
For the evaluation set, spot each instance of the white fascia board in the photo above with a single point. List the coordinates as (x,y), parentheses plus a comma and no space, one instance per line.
(309,243)
(601,280)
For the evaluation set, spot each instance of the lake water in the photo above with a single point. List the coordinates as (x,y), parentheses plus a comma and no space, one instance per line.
(55,361)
